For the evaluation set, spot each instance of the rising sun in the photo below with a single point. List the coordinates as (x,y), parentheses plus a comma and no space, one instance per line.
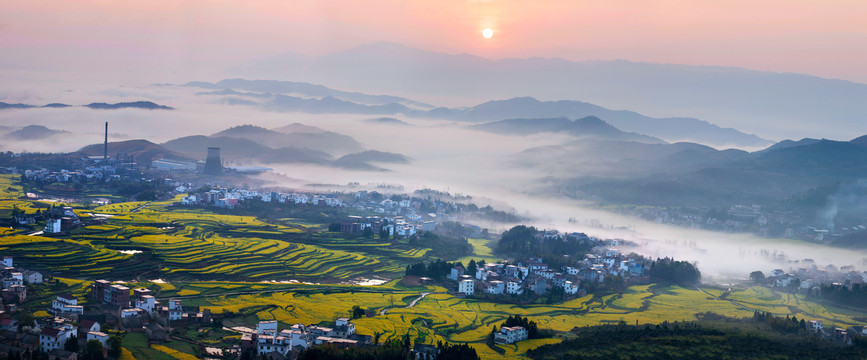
(487,33)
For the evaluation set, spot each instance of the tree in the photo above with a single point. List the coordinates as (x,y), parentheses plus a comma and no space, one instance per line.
(757,276)
(92,351)
(114,346)
(71,344)
(668,270)
(367,232)
(26,320)
(334,227)
(357,311)
(471,268)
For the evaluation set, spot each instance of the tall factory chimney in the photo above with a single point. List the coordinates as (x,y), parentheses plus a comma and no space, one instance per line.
(213,164)
(105,146)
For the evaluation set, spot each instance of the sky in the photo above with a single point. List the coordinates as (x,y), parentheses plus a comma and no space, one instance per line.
(171,40)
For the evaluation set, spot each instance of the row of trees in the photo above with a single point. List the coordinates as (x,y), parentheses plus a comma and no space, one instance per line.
(718,339)
(394,349)
(781,324)
(668,270)
(855,295)
(436,270)
(521,240)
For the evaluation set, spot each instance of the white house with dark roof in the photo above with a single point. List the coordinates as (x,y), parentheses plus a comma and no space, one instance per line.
(66,304)
(54,338)
(466,287)
(510,335)
(514,287)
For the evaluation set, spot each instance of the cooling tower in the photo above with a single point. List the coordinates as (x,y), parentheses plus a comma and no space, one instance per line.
(213,164)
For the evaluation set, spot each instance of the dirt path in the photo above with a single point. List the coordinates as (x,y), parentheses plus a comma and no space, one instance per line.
(735,303)
(421,296)
(288,289)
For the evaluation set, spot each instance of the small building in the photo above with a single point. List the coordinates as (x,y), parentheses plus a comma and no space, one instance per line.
(54,338)
(466,287)
(60,354)
(514,287)
(456,272)
(53,226)
(510,335)
(156,333)
(425,352)
(98,336)
(344,328)
(85,326)
(32,277)
(66,304)
(496,287)
(146,303)
(9,324)
(570,288)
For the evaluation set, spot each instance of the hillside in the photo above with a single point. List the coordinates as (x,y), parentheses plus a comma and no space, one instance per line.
(387,120)
(196,146)
(589,126)
(124,105)
(668,129)
(748,100)
(254,144)
(141,150)
(33,132)
(324,141)
(692,175)
(5,105)
(291,87)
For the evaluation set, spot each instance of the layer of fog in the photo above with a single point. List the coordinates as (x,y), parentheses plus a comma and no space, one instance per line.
(444,157)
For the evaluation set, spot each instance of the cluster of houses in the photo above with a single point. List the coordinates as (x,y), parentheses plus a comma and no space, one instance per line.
(139,310)
(49,335)
(14,283)
(534,276)
(132,310)
(404,225)
(395,226)
(229,198)
(88,174)
(808,277)
(270,342)
(837,334)
(57,220)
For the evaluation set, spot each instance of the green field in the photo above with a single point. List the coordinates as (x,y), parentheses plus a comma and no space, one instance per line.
(199,245)
(240,266)
(442,317)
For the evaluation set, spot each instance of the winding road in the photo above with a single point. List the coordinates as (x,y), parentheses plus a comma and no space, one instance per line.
(421,296)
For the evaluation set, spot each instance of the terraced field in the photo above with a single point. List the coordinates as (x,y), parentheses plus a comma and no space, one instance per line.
(197,245)
(442,317)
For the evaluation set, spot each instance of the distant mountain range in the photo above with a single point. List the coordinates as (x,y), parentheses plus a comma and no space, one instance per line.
(685,174)
(33,132)
(294,143)
(124,105)
(295,135)
(589,126)
(143,151)
(387,120)
(102,106)
(668,129)
(229,86)
(775,105)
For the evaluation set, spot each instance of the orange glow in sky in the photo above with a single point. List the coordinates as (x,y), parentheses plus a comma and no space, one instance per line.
(825,38)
